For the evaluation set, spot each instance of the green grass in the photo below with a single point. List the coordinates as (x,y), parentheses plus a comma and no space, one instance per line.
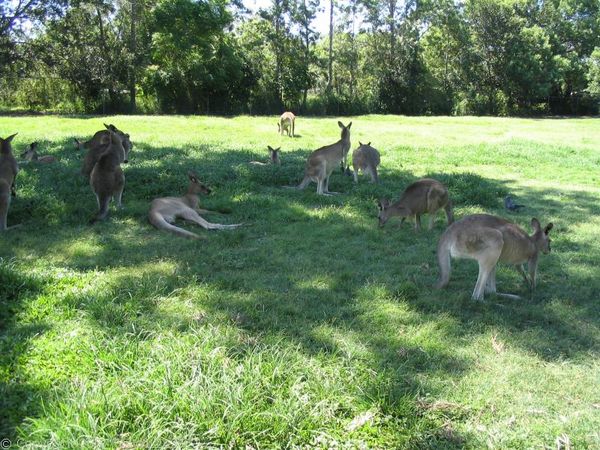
(309,327)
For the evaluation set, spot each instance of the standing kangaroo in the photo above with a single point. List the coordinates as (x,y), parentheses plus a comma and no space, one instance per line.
(107,179)
(324,160)
(489,239)
(365,158)
(422,196)
(164,211)
(31,155)
(97,145)
(8,172)
(286,123)
(273,157)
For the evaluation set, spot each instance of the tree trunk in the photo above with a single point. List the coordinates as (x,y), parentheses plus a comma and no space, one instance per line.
(330,77)
(133,50)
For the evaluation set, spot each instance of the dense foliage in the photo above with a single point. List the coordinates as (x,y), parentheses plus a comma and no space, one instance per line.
(501,57)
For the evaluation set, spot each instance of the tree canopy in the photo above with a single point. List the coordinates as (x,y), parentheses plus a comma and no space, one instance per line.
(498,57)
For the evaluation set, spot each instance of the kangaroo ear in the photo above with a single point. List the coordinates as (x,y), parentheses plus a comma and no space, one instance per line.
(548,228)
(269,148)
(349,125)
(535,224)
(360,143)
(10,138)
(369,143)
(33,145)
(277,149)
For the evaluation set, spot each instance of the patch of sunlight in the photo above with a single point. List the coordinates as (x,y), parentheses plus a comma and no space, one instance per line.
(320,283)
(348,343)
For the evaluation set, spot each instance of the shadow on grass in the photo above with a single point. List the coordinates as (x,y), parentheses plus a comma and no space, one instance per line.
(19,398)
(314,271)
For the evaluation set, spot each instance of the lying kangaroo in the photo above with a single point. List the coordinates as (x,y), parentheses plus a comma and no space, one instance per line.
(8,172)
(273,157)
(489,239)
(286,123)
(422,196)
(324,160)
(31,155)
(107,179)
(365,158)
(97,146)
(164,211)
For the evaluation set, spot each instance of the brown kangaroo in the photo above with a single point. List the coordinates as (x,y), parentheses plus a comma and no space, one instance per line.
(97,145)
(324,160)
(286,123)
(489,239)
(164,211)
(31,155)
(273,157)
(422,196)
(8,172)
(365,158)
(107,179)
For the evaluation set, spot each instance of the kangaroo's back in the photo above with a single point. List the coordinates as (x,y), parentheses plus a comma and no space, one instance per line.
(8,172)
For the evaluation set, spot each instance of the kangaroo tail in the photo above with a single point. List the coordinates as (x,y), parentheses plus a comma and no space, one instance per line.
(305,182)
(104,201)
(449,212)
(443,256)
(159,222)
(4,203)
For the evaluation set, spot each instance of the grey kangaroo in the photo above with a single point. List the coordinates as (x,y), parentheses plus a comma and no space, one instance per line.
(8,173)
(324,160)
(107,179)
(421,197)
(488,240)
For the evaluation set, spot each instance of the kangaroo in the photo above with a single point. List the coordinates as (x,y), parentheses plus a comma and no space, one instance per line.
(286,123)
(164,211)
(97,145)
(31,155)
(324,160)
(273,157)
(489,239)
(365,158)
(8,172)
(107,179)
(422,196)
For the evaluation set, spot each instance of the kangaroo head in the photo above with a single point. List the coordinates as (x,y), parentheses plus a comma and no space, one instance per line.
(383,216)
(345,130)
(114,139)
(111,127)
(540,237)
(29,154)
(274,154)
(196,187)
(5,146)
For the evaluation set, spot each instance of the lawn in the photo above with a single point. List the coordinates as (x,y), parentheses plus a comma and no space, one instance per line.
(308,327)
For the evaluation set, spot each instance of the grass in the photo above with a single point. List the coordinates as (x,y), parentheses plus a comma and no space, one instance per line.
(309,327)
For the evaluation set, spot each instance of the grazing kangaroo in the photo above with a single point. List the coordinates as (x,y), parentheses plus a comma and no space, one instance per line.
(107,179)
(365,158)
(286,123)
(324,160)
(8,172)
(273,157)
(97,145)
(164,211)
(489,239)
(31,155)
(422,196)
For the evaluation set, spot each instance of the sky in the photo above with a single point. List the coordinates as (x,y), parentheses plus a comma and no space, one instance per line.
(321,22)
